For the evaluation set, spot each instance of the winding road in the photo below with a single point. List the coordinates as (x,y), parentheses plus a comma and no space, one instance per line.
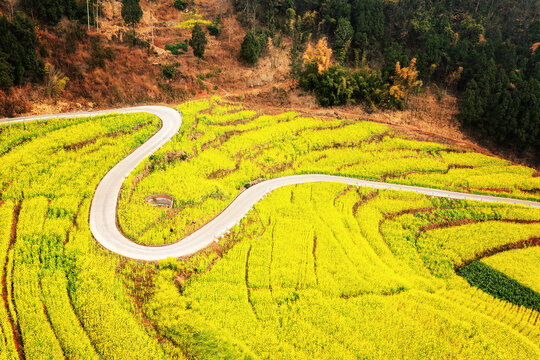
(104,204)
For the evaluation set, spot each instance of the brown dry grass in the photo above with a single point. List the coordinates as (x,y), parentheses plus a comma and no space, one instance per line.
(136,77)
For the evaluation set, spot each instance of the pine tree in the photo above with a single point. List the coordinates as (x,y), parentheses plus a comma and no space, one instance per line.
(131,12)
(18,57)
(198,41)
(50,11)
(343,37)
(471,105)
(251,48)
(179,4)
(6,72)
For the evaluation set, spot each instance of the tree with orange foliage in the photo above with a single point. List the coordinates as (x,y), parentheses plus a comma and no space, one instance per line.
(405,80)
(55,82)
(321,55)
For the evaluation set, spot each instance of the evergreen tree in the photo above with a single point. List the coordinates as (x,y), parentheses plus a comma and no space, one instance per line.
(131,12)
(367,18)
(180,4)
(6,72)
(251,48)
(344,32)
(198,41)
(18,57)
(471,105)
(343,36)
(51,11)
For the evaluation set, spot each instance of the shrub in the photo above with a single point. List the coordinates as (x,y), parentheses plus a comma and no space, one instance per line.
(339,86)
(214,28)
(74,33)
(97,53)
(175,49)
(55,83)
(336,87)
(372,90)
(320,55)
(134,41)
(179,4)
(405,80)
(168,71)
(262,36)
(12,104)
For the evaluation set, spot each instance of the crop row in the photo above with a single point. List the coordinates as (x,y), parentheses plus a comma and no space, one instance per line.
(499,285)
(519,318)
(309,274)
(27,170)
(6,220)
(67,299)
(222,148)
(312,272)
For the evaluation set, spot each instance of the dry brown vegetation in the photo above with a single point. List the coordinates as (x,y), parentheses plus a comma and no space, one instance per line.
(135,75)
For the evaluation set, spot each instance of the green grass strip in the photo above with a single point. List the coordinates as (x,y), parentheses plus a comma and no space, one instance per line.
(499,285)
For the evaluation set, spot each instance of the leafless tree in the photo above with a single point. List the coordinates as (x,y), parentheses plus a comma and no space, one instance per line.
(96,13)
(151,21)
(11,4)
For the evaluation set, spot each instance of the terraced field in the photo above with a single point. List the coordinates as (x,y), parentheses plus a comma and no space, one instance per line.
(314,271)
(223,148)
(62,295)
(330,272)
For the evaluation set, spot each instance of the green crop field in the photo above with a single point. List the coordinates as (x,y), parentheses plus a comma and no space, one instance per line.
(314,271)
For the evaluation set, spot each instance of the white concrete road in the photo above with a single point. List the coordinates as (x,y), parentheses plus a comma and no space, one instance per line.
(104,204)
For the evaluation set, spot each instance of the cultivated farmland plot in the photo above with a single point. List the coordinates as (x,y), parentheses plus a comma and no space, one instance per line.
(315,271)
